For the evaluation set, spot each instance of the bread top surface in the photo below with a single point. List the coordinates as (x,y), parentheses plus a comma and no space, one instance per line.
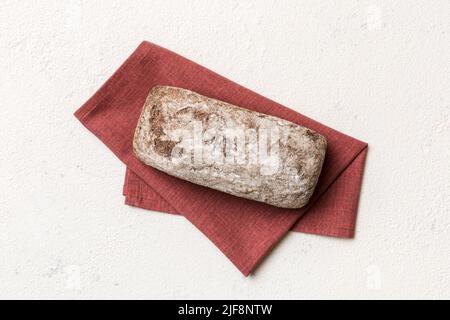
(269,159)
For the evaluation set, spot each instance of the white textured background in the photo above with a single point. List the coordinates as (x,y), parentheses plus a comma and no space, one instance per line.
(377,70)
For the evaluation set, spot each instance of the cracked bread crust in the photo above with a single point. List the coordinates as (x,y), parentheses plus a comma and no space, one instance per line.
(285,175)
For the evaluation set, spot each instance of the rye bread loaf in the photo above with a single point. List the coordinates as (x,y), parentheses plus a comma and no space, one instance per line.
(234,150)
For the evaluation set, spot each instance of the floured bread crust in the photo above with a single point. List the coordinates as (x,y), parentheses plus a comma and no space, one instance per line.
(234,150)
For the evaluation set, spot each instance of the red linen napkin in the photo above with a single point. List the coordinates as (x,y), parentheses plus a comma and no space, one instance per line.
(244,230)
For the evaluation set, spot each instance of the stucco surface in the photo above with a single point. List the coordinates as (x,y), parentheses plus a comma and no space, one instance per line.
(377,70)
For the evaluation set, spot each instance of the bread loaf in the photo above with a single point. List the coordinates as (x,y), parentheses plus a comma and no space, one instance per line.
(228,148)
